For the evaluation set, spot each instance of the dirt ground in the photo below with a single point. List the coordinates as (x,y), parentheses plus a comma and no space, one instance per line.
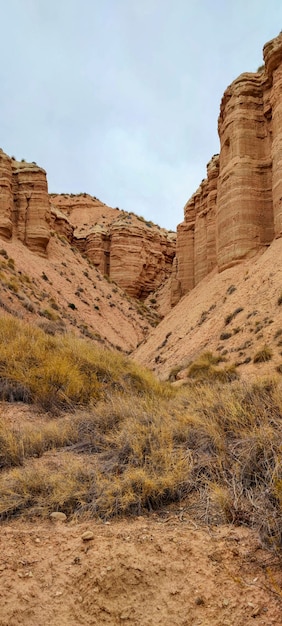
(150,570)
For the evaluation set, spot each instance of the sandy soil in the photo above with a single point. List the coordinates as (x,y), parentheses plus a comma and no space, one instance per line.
(148,571)
(198,322)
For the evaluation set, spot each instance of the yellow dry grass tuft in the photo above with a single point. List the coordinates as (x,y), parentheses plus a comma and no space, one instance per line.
(206,367)
(63,372)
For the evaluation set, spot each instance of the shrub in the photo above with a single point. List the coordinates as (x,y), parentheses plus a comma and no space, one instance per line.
(72,306)
(279,301)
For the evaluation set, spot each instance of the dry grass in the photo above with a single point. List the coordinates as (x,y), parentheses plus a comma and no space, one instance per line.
(62,372)
(137,444)
(206,368)
(263,355)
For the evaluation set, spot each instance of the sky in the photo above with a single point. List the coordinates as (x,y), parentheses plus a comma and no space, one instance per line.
(120,98)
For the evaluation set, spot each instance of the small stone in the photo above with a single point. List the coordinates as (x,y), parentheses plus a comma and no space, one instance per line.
(199,600)
(87,535)
(37,540)
(58,516)
(225,602)
(77,560)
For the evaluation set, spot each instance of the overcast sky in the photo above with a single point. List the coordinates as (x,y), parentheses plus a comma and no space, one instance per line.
(120,98)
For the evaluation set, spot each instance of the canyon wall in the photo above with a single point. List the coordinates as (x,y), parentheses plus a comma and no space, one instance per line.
(131,251)
(136,254)
(24,203)
(237,209)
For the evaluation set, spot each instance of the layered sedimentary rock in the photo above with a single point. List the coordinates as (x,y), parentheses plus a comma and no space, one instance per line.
(61,223)
(238,208)
(273,104)
(136,254)
(244,199)
(196,240)
(6,196)
(31,208)
(140,257)
(24,203)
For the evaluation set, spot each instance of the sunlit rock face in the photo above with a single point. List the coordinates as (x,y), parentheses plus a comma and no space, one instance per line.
(237,209)
(24,203)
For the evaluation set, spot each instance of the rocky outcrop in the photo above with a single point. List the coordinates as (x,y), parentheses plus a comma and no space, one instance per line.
(244,200)
(196,238)
(136,254)
(237,209)
(6,196)
(24,203)
(140,257)
(61,224)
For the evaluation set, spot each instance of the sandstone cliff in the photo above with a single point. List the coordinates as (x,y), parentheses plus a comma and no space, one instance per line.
(24,203)
(238,207)
(135,253)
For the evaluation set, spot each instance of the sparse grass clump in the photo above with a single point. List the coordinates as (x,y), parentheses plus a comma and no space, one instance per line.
(231,316)
(206,367)
(263,355)
(225,336)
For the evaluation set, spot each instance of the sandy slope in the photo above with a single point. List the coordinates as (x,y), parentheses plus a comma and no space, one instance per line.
(148,571)
(197,322)
(85,301)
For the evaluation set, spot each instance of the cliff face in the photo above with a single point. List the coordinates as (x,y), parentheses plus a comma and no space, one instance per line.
(134,253)
(238,207)
(24,203)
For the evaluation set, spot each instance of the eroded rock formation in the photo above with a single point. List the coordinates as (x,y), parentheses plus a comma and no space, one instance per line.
(24,203)
(134,253)
(238,207)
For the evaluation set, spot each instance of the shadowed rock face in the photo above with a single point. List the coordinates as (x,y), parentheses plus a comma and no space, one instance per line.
(24,203)
(238,207)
